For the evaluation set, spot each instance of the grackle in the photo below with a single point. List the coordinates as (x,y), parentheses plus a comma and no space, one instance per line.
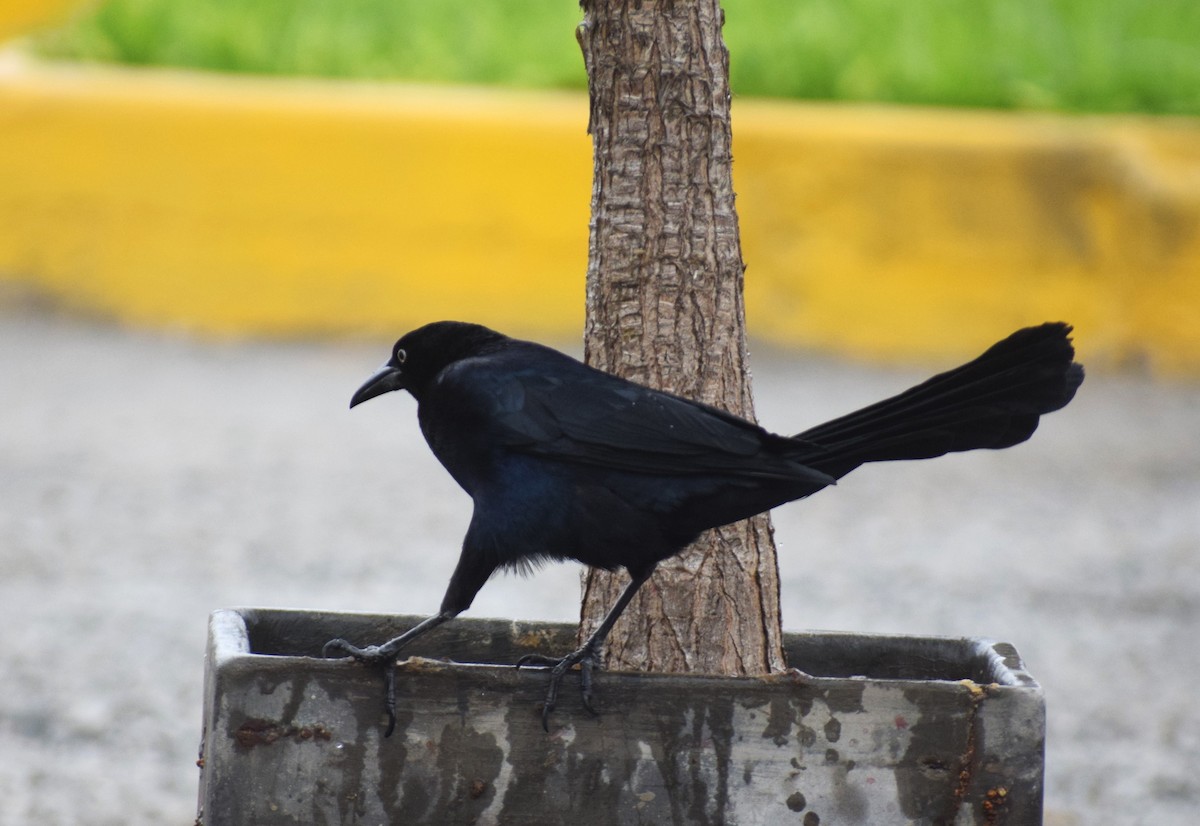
(563,461)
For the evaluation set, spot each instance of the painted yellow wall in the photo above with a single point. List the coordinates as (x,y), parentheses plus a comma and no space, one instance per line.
(234,207)
(894,233)
(18,17)
(251,206)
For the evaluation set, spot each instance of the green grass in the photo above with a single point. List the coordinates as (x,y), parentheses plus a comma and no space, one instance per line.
(1072,55)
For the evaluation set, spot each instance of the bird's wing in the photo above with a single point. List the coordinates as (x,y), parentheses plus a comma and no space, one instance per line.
(560,409)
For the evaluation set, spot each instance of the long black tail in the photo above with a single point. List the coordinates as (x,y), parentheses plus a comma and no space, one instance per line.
(992,402)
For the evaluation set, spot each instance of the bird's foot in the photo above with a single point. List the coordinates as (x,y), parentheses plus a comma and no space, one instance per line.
(382,657)
(588,660)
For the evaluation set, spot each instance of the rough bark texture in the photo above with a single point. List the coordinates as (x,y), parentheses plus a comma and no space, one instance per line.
(664,294)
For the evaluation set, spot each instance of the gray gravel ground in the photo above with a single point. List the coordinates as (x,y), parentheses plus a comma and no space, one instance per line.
(146,479)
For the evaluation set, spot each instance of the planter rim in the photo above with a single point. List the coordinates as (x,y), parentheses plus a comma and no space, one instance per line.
(232,637)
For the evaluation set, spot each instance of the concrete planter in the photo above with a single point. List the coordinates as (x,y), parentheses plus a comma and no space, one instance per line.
(885,730)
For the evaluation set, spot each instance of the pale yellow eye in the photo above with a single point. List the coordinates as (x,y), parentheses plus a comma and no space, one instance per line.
(400,356)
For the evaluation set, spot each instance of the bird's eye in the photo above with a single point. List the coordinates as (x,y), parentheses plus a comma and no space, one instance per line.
(400,355)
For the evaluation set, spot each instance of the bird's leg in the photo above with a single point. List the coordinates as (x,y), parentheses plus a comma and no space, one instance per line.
(587,656)
(384,657)
(466,581)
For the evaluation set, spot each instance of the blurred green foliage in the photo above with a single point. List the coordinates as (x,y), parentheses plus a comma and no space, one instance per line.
(1073,55)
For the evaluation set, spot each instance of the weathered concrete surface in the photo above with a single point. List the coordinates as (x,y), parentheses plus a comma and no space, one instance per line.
(879,729)
(146,480)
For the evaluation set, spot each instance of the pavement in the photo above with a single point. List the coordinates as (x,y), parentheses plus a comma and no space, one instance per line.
(147,478)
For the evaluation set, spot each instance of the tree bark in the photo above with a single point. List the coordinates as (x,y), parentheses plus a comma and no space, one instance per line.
(664,308)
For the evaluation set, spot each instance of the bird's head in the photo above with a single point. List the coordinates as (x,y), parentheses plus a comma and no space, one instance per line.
(420,355)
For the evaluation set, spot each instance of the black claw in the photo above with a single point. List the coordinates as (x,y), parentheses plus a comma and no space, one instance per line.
(547,707)
(338,645)
(585,658)
(586,669)
(378,657)
(384,657)
(389,698)
(537,659)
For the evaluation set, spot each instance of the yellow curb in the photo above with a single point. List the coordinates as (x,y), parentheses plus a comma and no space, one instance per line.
(22,16)
(234,206)
(900,233)
(254,206)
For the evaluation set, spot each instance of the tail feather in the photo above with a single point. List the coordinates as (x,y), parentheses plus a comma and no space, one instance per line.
(992,402)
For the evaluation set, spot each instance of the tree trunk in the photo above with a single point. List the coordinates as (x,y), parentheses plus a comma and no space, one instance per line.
(664,308)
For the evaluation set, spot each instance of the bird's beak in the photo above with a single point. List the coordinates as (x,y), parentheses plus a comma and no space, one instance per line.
(385,380)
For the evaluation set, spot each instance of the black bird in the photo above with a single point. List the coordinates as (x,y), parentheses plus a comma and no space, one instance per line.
(564,461)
